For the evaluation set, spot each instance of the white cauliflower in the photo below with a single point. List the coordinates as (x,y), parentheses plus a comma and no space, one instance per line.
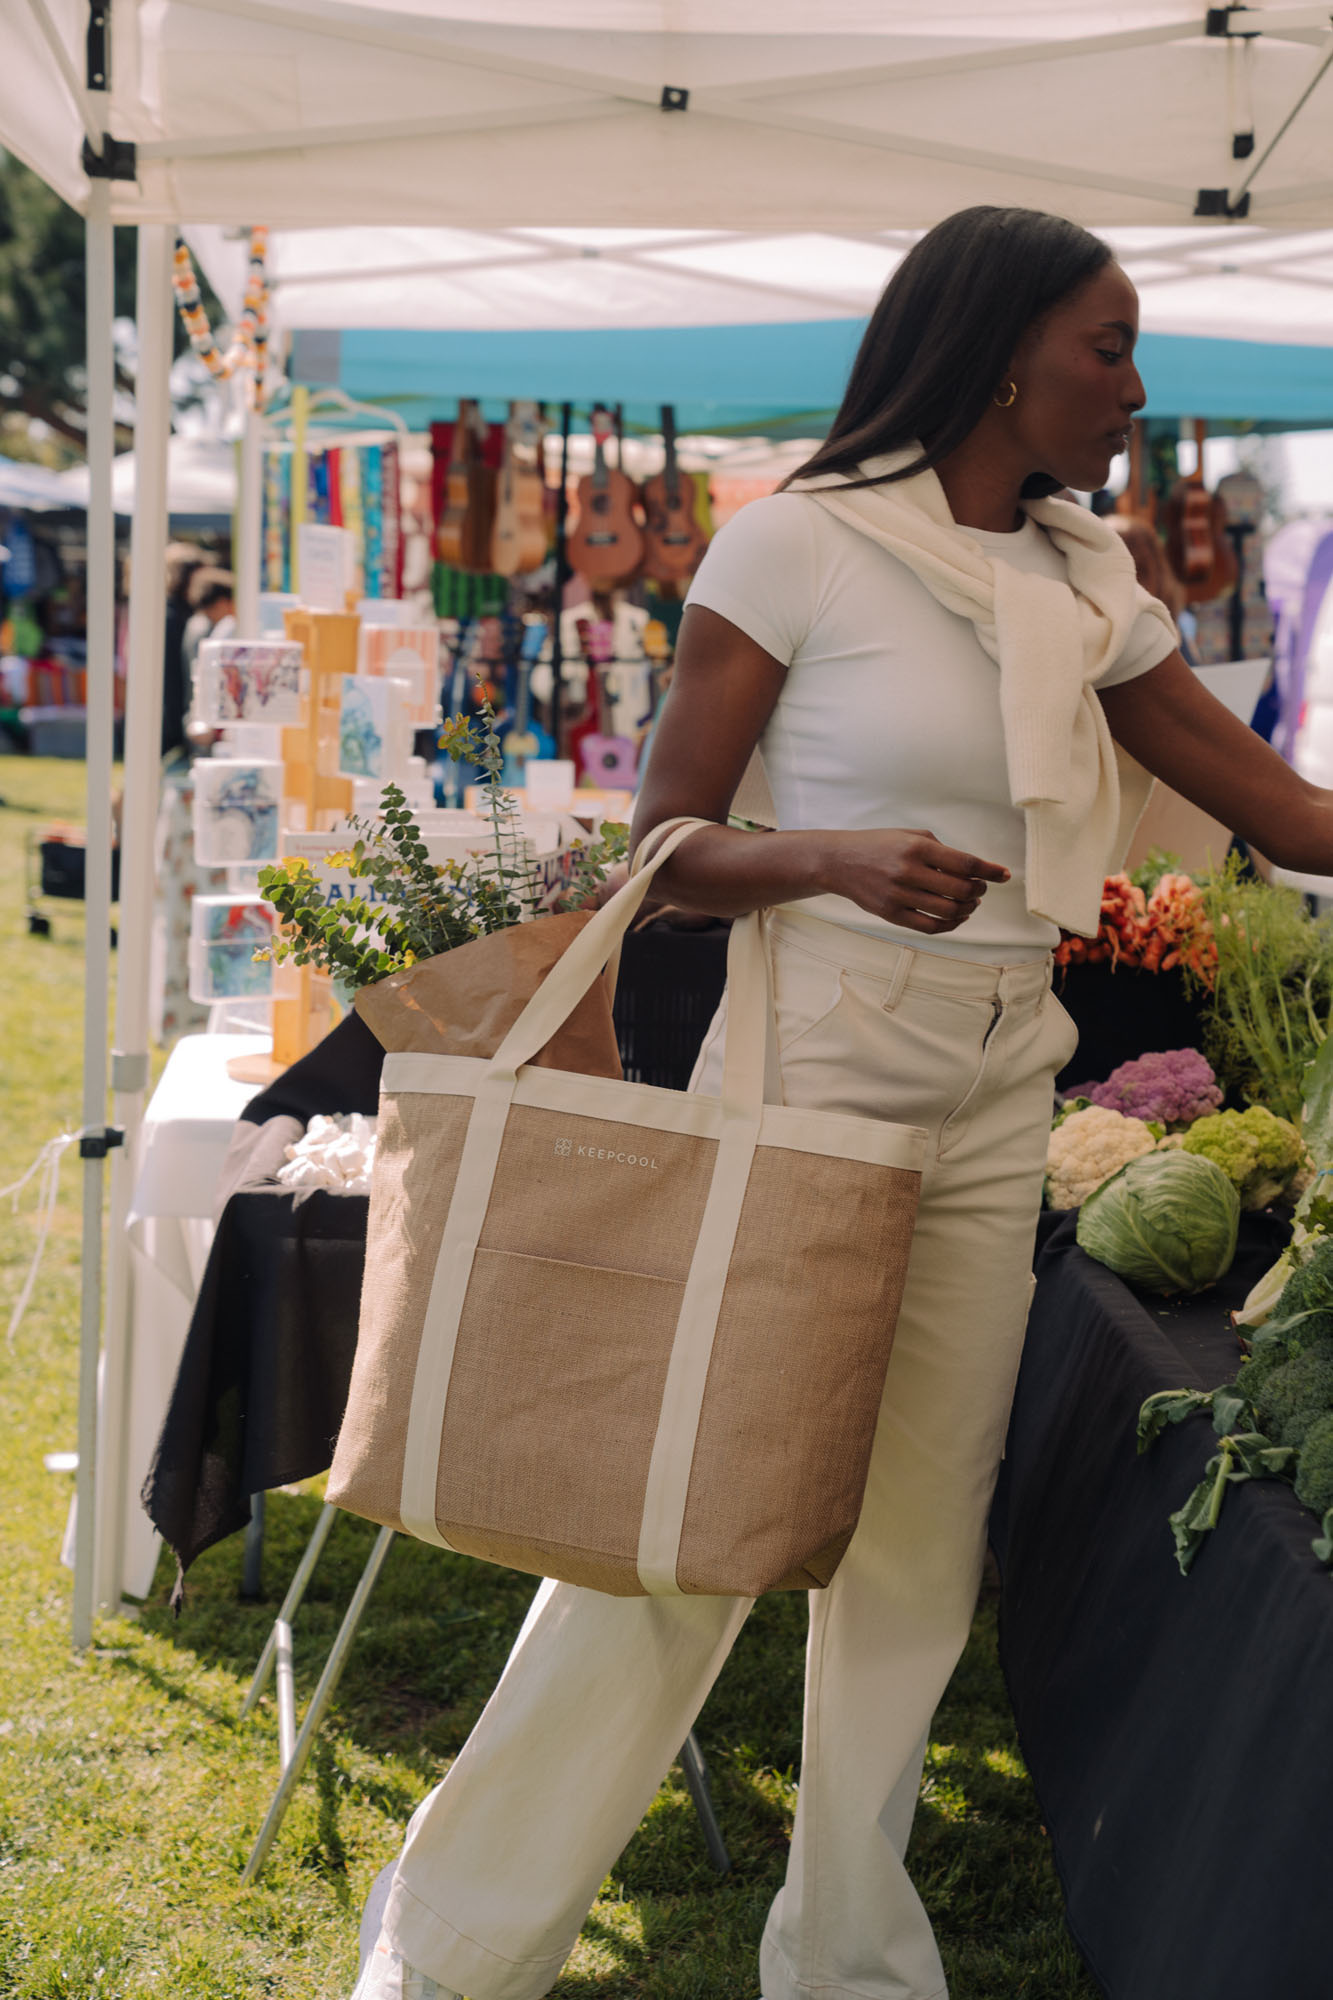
(1087,1148)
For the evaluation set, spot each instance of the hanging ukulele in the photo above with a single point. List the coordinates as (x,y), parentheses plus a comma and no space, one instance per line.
(607,544)
(530,485)
(451,527)
(604,761)
(505,551)
(526,738)
(674,540)
(518,531)
(1197,545)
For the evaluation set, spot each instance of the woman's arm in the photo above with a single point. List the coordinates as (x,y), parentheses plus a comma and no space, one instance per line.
(723,690)
(1167,719)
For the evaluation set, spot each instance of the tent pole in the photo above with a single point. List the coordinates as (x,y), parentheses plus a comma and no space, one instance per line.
(99,241)
(249,526)
(143,739)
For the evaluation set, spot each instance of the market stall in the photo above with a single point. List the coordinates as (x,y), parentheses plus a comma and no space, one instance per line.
(856,127)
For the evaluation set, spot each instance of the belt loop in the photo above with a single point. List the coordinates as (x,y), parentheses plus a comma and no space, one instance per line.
(898,977)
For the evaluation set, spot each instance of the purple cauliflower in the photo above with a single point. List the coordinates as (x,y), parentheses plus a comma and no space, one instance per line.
(1173,1087)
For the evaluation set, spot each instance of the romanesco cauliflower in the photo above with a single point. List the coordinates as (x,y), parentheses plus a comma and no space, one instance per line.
(1087,1148)
(1259,1153)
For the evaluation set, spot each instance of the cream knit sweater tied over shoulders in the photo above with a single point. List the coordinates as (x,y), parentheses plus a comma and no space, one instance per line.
(1080,795)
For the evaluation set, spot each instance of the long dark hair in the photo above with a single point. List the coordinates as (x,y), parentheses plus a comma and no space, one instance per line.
(944,332)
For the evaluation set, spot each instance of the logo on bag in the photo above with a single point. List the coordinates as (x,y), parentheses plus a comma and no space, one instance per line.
(566,1149)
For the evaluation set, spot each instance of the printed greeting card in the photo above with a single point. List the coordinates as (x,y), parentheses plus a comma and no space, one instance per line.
(236,810)
(225,933)
(250,680)
(374,728)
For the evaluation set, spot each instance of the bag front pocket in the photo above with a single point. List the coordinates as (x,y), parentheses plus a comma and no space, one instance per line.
(568,1403)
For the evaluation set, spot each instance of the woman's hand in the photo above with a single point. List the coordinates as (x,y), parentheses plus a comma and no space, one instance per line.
(905,876)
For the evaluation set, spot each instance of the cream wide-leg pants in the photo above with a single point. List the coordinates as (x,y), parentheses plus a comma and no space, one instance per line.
(503,1858)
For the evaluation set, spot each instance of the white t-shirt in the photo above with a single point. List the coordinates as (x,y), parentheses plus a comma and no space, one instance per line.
(890,711)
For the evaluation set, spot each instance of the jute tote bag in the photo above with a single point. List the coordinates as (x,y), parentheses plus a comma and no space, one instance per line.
(629,1337)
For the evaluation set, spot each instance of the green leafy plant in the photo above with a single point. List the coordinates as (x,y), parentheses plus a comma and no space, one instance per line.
(1156,863)
(1270,1007)
(413,908)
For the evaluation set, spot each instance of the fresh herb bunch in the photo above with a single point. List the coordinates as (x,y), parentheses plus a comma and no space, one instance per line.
(414,908)
(1270,1007)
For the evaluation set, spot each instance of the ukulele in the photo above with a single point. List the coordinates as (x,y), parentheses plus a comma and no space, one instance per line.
(1197,545)
(675,542)
(526,738)
(452,524)
(596,642)
(480,495)
(607,544)
(605,762)
(530,487)
(505,541)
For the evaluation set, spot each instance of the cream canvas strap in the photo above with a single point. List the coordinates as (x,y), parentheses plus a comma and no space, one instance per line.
(742,1108)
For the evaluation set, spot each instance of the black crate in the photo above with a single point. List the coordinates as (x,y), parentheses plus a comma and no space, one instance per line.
(63,864)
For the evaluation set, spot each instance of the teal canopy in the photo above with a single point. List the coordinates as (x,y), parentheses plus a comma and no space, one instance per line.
(777,378)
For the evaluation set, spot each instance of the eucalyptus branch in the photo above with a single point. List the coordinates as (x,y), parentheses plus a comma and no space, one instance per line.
(407,907)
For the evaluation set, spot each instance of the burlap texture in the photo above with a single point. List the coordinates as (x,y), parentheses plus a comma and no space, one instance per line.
(464,1002)
(566,1335)
(797,1373)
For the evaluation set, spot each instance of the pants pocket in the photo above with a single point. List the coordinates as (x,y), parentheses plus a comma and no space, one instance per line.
(806,990)
(1063,1031)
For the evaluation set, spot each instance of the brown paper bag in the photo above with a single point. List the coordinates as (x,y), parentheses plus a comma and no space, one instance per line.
(464,1002)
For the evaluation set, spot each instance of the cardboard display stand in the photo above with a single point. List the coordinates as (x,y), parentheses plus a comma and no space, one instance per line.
(304,1008)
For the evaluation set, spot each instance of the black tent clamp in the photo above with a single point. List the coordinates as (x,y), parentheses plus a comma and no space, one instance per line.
(116,161)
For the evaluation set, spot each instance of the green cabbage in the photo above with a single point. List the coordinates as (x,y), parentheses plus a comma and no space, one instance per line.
(1166,1222)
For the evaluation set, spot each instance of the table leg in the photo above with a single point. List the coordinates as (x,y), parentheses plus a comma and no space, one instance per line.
(252,1577)
(696,1778)
(291,1603)
(323,1695)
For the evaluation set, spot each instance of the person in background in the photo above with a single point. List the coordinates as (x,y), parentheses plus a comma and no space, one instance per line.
(213,596)
(183,560)
(1153,568)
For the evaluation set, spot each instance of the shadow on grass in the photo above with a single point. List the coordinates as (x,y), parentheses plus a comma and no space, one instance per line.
(434,1639)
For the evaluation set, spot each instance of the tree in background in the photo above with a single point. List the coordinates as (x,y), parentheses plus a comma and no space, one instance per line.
(42,296)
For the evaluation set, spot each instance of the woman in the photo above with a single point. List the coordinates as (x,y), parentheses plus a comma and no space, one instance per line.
(939,819)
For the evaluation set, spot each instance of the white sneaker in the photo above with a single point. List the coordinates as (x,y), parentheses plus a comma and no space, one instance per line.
(385,1976)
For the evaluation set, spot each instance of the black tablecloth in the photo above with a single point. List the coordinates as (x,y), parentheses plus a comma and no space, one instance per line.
(1176,1728)
(262,1382)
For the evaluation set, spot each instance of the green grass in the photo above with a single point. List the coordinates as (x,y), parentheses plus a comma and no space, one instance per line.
(131,1791)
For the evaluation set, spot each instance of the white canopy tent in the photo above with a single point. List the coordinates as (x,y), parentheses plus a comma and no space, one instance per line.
(201,480)
(1244,281)
(32,487)
(793,136)
(680,114)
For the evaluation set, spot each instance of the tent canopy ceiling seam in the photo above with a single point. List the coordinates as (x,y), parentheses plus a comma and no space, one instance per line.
(735,102)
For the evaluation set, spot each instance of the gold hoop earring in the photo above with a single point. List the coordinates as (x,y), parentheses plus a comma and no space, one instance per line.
(1002,402)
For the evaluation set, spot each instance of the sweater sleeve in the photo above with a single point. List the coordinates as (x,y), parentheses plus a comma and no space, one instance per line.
(759,573)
